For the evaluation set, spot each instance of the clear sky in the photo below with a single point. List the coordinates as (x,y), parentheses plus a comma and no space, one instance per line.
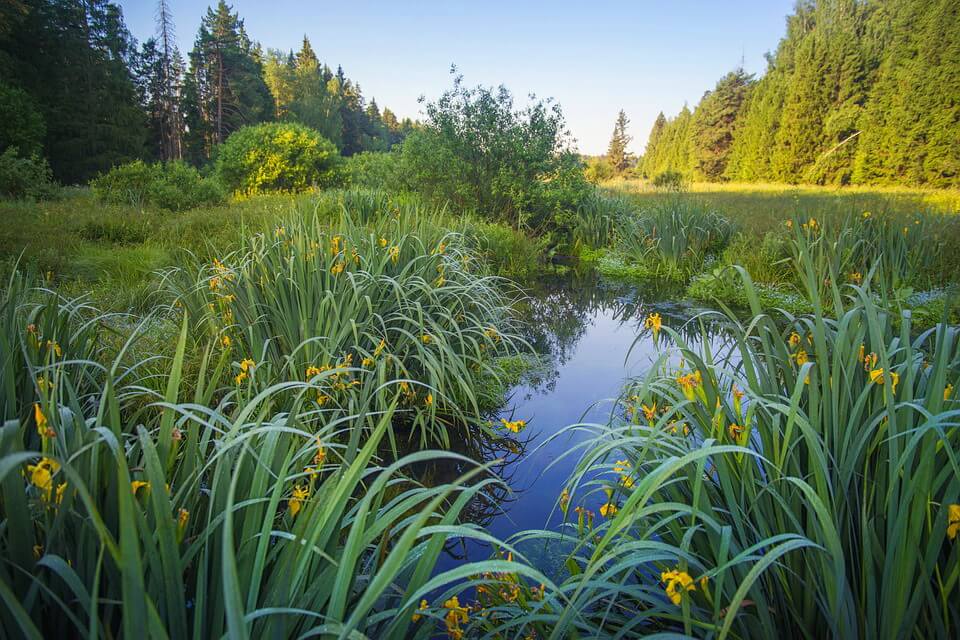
(593,57)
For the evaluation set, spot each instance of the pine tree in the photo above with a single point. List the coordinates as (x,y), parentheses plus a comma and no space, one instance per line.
(75,59)
(617,154)
(225,89)
(159,76)
(714,124)
(171,85)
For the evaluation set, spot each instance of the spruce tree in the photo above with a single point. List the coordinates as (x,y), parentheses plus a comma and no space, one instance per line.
(617,154)
(648,161)
(714,124)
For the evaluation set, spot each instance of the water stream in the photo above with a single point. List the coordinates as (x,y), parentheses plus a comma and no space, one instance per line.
(590,332)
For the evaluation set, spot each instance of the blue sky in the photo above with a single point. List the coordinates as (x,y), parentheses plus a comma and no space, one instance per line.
(593,57)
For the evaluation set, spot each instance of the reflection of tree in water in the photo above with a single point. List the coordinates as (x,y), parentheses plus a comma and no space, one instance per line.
(561,307)
(557,311)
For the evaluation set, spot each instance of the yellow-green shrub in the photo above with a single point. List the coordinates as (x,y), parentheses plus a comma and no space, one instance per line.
(277,157)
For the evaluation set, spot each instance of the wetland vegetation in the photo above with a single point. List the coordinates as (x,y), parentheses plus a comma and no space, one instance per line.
(296,368)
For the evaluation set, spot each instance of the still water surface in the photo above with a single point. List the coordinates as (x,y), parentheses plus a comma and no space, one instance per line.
(591,332)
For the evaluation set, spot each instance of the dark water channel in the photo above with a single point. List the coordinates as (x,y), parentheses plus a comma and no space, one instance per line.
(585,327)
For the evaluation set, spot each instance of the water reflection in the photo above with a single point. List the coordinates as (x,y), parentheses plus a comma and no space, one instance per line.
(589,331)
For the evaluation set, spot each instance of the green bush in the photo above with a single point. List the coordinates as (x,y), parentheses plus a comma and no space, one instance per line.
(598,170)
(26,177)
(175,186)
(371,170)
(670,181)
(482,155)
(277,157)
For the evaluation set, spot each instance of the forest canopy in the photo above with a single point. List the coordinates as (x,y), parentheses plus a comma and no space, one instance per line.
(78,89)
(857,92)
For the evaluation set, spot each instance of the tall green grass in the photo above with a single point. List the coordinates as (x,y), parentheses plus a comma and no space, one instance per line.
(378,296)
(800,480)
(216,514)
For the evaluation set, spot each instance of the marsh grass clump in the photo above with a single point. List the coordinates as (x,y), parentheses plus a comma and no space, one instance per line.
(353,306)
(795,480)
(673,241)
(598,217)
(147,514)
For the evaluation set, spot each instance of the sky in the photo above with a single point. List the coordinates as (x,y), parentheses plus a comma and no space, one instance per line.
(594,58)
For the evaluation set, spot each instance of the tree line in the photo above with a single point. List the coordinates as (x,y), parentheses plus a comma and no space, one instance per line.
(77,88)
(857,92)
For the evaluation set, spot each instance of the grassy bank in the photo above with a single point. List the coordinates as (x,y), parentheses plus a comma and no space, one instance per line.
(905,242)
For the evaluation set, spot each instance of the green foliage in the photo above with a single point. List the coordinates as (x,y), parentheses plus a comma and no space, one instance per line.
(372,170)
(26,178)
(599,170)
(856,93)
(277,157)
(22,126)
(482,155)
(175,186)
(670,181)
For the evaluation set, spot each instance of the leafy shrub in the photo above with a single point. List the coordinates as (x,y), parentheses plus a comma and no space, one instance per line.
(277,157)
(599,170)
(175,186)
(669,181)
(482,155)
(372,170)
(26,177)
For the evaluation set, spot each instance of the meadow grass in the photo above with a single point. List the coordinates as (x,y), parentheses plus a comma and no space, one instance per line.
(760,207)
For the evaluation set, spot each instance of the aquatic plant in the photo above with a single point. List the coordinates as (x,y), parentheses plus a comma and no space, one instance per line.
(378,296)
(802,483)
(212,517)
(672,240)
